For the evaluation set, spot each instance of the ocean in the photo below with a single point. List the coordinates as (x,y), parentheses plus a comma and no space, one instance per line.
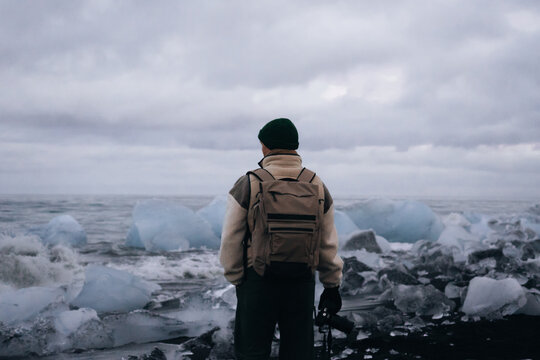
(192,300)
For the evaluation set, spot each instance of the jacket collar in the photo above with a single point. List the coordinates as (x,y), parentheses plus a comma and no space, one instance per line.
(283,157)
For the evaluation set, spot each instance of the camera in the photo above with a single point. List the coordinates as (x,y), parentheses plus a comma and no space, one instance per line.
(324,318)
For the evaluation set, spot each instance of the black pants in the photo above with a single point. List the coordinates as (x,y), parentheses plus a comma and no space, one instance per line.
(261,304)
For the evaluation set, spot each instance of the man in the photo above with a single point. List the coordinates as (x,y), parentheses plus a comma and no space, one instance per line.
(282,292)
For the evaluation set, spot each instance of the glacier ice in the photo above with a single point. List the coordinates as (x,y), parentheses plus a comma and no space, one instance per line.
(488,297)
(372,260)
(164,225)
(142,326)
(459,241)
(344,225)
(67,322)
(25,304)
(532,307)
(214,213)
(64,229)
(421,300)
(384,245)
(397,221)
(107,290)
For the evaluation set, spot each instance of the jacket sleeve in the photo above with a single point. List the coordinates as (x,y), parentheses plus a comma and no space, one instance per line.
(234,229)
(330,264)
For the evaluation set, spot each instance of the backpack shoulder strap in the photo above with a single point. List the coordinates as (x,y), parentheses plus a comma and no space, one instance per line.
(262,174)
(306,175)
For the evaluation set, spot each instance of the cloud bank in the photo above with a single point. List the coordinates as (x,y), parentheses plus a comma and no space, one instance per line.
(412,98)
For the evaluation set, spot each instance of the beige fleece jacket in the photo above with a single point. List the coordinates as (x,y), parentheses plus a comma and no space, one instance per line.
(280,164)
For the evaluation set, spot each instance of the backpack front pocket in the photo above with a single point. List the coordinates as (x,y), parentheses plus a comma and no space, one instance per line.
(290,243)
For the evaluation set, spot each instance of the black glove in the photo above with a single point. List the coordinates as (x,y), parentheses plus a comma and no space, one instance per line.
(331,300)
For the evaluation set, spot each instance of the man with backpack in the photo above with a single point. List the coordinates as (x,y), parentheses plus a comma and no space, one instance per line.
(278,230)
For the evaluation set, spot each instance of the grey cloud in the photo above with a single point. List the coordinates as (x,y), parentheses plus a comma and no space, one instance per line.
(208,75)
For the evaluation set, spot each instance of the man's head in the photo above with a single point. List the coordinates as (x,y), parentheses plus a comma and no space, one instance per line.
(279,134)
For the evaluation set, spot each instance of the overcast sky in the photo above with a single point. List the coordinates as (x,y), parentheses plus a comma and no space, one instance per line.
(408,98)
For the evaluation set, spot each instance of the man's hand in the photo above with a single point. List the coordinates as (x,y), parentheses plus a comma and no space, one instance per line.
(331,300)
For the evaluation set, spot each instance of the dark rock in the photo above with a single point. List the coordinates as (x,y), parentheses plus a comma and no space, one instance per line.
(389,322)
(352,281)
(535,244)
(533,283)
(363,240)
(477,256)
(201,345)
(352,264)
(440,282)
(528,252)
(398,277)
(156,354)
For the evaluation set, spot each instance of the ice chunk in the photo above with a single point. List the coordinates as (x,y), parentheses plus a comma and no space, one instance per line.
(214,213)
(532,307)
(55,332)
(399,246)
(107,290)
(533,224)
(141,326)
(164,225)
(67,322)
(400,221)
(460,242)
(398,275)
(452,291)
(384,245)
(372,260)
(25,304)
(487,297)
(421,300)
(64,229)
(344,225)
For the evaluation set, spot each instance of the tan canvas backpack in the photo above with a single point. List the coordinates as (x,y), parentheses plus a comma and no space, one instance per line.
(284,222)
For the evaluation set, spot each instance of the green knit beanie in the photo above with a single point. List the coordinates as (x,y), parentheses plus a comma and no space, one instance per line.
(279,134)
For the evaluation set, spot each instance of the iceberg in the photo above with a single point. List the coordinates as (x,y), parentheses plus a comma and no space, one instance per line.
(64,229)
(107,290)
(164,225)
(214,213)
(397,221)
(344,225)
(492,298)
